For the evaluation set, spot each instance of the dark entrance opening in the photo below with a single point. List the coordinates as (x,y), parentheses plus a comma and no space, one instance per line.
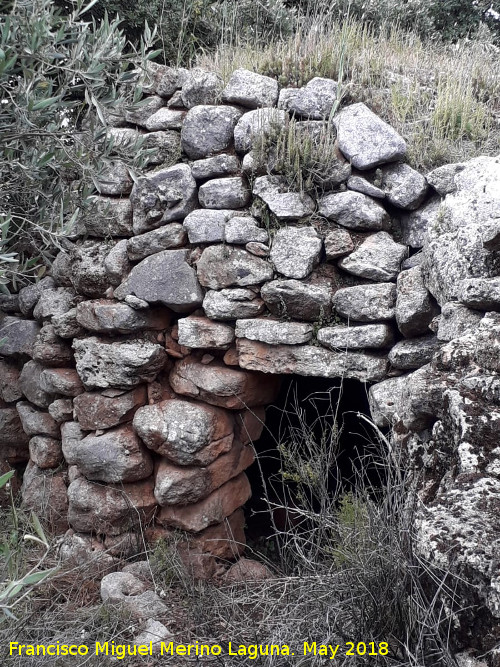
(308,407)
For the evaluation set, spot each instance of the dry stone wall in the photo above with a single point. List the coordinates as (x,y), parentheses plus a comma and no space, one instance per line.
(135,376)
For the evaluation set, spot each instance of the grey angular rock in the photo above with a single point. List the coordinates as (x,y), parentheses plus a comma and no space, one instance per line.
(18,336)
(218,165)
(36,422)
(51,350)
(414,225)
(228,193)
(224,266)
(242,230)
(286,206)
(457,320)
(66,326)
(365,139)
(207,225)
(101,364)
(295,251)
(61,410)
(63,381)
(442,179)
(254,125)
(250,89)
(101,410)
(143,111)
(129,592)
(414,352)
(377,258)
(109,217)
(274,332)
(45,452)
(353,210)
(61,269)
(413,261)
(167,237)
(165,119)
(403,186)
(114,179)
(360,184)
(415,307)
(315,100)
(298,300)
(385,400)
(208,129)
(163,196)
(490,234)
(480,293)
(310,361)
(230,304)
(164,278)
(165,81)
(200,332)
(104,316)
(154,633)
(55,301)
(356,337)
(32,387)
(163,146)
(116,456)
(117,263)
(201,87)
(88,271)
(29,295)
(366,303)
(338,242)
(186,433)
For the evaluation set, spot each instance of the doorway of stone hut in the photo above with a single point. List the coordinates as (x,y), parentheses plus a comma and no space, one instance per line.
(320,417)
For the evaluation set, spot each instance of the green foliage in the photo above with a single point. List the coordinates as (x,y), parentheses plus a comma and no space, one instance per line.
(58,83)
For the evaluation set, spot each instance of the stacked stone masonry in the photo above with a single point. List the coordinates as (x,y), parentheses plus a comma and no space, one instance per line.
(134,378)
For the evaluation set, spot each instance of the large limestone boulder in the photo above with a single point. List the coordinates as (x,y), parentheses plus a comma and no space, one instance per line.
(64,381)
(298,300)
(354,210)
(415,225)
(310,361)
(366,303)
(338,242)
(223,266)
(36,422)
(51,350)
(231,304)
(250,90)
(378,258)
(100,410)
(28,296)
(163,196)
(54,302)
(208,129)
(365,139)
(115,456)
(165,119)
(185,433)
(166,278)
(114,179)
(295,251)
(385,400)
(480,293)
(217,384)
(456,320)
(10,389)
(140,114)
(244,230)
(101,363)
(31,385)
(45,452)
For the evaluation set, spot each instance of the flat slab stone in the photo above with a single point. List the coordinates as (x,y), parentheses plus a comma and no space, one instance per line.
(298,300)
(163,196)
(357,337)
(366,303)
(221,193)
(230,304)
(274,332)
(244,230)
(250,89)
(354,210)
(200,332)
(365,139)
(295,251)
(165,119)
(286,206)
(220,385)
(360,184)
(167,237)
(101,363)
(100,410)
(187,433)
(378,258)
(208,129)
(310,361)
(106,316)
(413,353)
(166,278)
(223,266)
(218,165)
(117,455)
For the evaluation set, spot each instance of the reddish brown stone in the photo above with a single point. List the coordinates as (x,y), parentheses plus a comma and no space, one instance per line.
(231,357)
(250,424)
(97,410)
(11,428)
(224,540)
(51,350)
(45,493)
(63,381)
(219,385)
(45,452)
(211,510)
(246,569)
(10,389)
